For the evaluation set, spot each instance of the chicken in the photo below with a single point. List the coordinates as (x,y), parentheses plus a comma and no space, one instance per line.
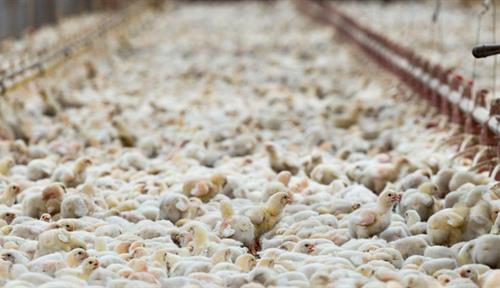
(278,185)
(126,137)
(376,175)
(311,162)
(57,240)
(245,262)
(420,200)
(237,227)
(279,163)
(491,279)
(72,177)
(445,226)
(88,266)
(325,173)
(50,263)
(38,169)
(173,207)
(205,189)
(48,201)
(6,165)
(483,251)
(77,205)
(371,219)
(479,220)
(199,234)
(414,224)
(265,217)
(463,177)
(9,194)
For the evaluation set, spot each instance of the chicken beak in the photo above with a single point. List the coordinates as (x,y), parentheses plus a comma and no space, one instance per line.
(462,273)
(396,197)
(311,249)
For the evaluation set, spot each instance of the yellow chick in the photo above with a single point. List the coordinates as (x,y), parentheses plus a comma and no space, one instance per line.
(88,266)
(9,194)
(237,227)
(278,185)
(74,176)
(265,217)
(6,164)
(76,256)
(374,218)
(420,200)
(49,201)
(445,226)
(227,213)
(124,134)
(325,173)
(279,163)
(491,279)
(200,238)
(245,262)
(50,107)
(205,189)
(56,240)
(311,162)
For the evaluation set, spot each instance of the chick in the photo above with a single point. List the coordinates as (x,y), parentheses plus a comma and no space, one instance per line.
(409,246)
(126,138)
(371,219)
(414,224)
(173,207)
(246,262)
(200,237)
(77,205)
(421,200)
(265,217)
(205,189)
(305,246)
(278,185)
(56,240)
(279,163)
(8,216)
(495,228)
(311,162)
(377,175)
(445,226)
(479,220)
(38,169)
(9,194)
(470,273)
(49,201)
(442,180)
(463,177)
(413,180)
(325,173)
(72,177)
(237,227)
(76,256)
(6,164)
(88,266)
(491,279)
(485,251)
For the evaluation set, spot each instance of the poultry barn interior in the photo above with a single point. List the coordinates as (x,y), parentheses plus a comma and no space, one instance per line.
(248,144)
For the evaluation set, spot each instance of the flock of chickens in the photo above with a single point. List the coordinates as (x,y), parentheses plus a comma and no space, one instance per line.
(243,150)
